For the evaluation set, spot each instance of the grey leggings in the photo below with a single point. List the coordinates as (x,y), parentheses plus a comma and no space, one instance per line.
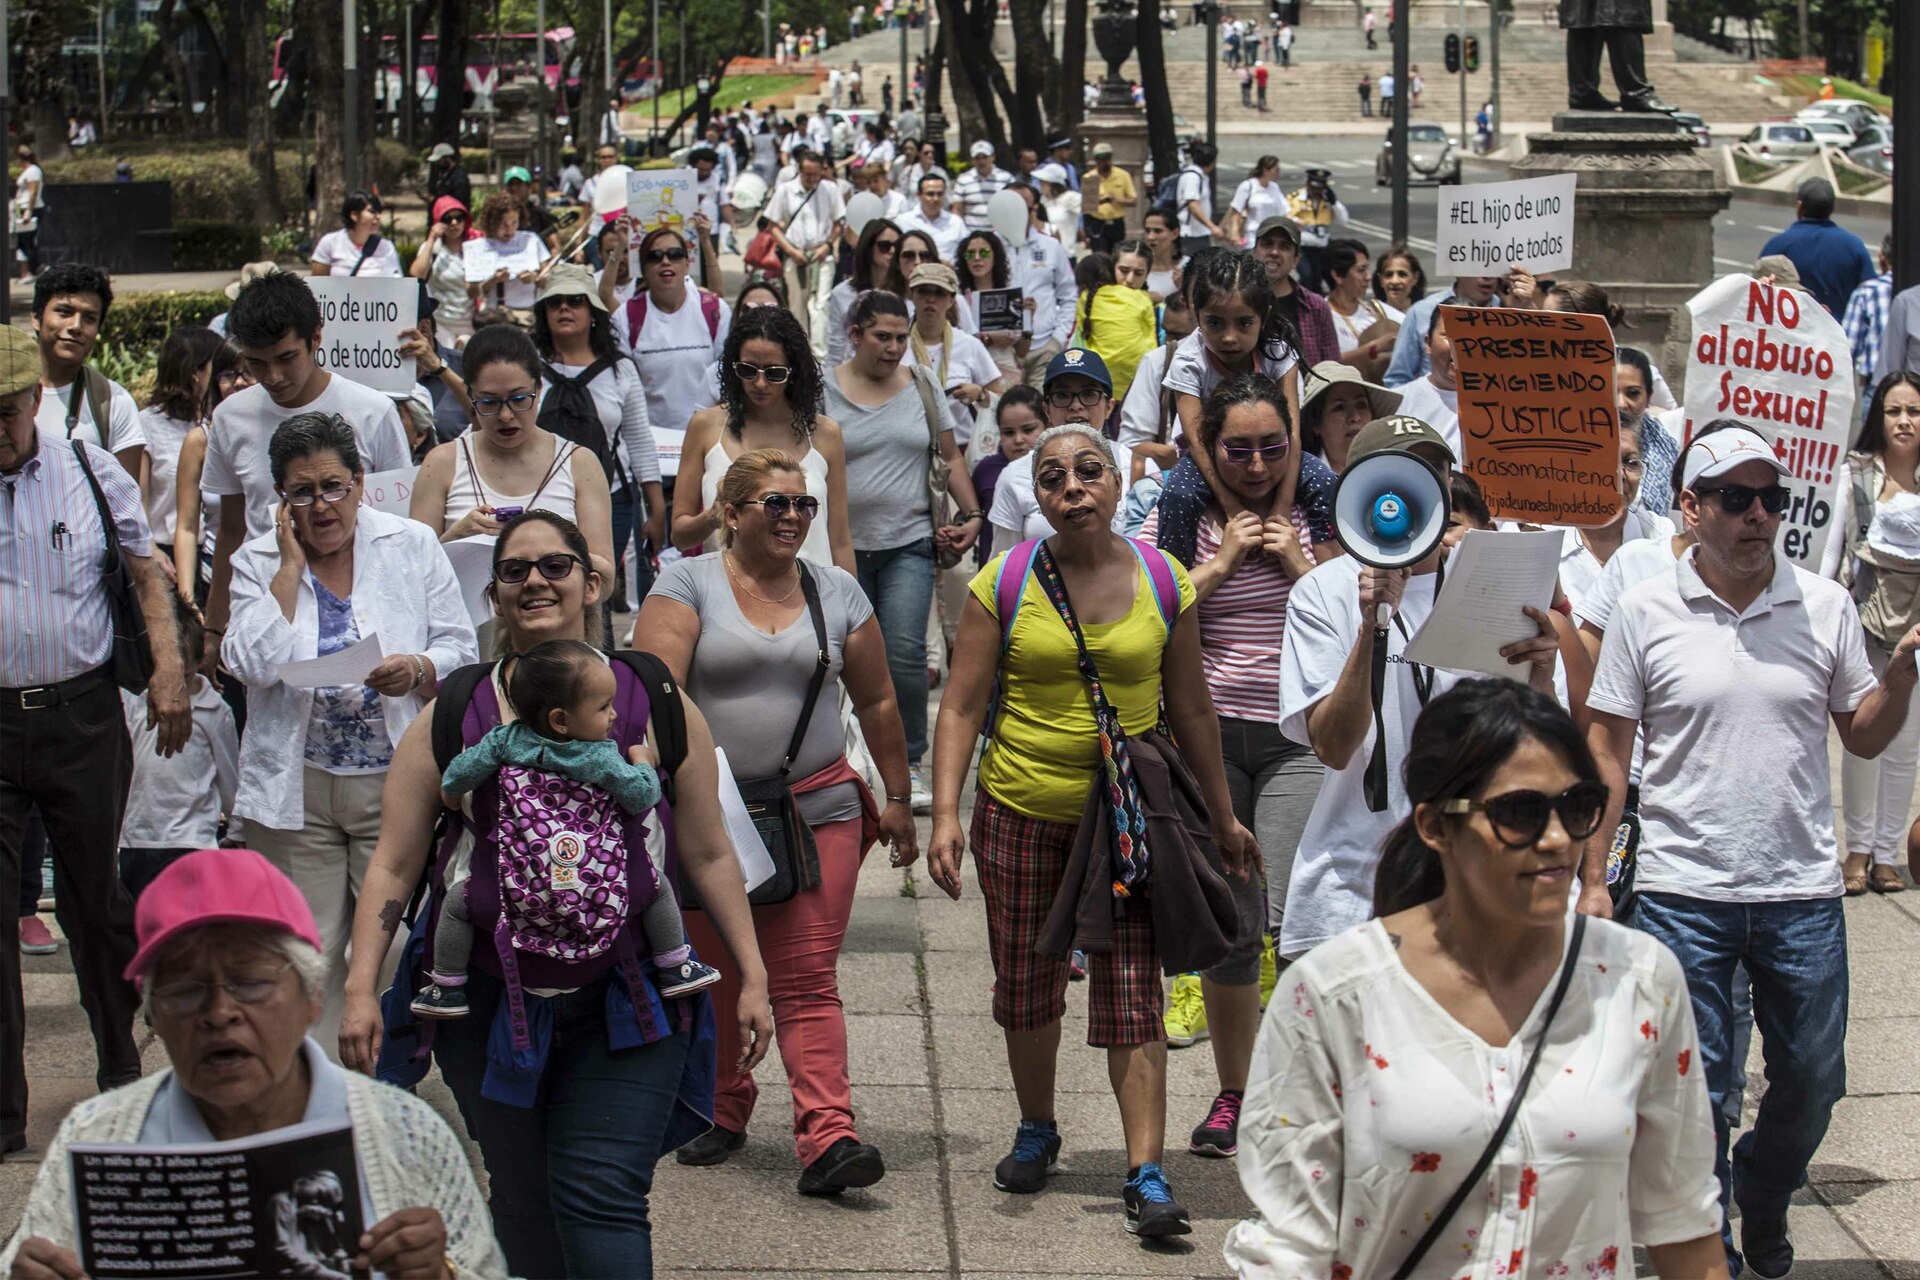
(453,935)
(1274,781)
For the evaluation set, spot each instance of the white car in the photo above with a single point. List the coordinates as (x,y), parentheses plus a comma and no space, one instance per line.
(1785,139)
(1831,132)
(1855,115)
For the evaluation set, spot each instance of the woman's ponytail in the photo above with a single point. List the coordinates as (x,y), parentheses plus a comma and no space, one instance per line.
(1409,872)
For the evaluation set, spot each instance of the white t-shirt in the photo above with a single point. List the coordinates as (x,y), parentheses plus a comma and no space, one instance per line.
(1631,565)
(1580,572)
(243,426)
(1370,312)
(969,361)
(1258,201)
(27,217)
(124,430)
(808,220)
(1192,186)
(674,350)
(164,438)
(175,802)
(1716,692)
(1140,411)
(1435,406)
(1332,886)
(336,252)
(1192,370)
(1016,507)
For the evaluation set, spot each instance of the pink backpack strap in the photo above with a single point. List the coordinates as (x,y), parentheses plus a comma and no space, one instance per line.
(1010,586)
(1166,588)
(710,308)
(636,315)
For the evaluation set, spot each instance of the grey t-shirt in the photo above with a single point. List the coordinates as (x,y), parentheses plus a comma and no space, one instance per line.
(751,685)
(887,461)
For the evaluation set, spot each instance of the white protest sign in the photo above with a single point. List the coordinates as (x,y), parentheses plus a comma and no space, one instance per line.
(1490,228)
(389,491)
(1776,360)
(484,257)
(361,318)
(659,198)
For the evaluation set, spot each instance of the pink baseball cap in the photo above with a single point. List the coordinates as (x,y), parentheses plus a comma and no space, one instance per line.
(217,886)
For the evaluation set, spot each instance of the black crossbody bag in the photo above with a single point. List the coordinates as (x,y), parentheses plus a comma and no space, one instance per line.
(1441,1219)
(130,661)
(770,802)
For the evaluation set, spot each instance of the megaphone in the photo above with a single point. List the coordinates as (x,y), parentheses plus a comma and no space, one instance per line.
(1390,512)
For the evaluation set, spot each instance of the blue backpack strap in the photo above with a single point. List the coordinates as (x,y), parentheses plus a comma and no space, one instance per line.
(1010,586)
(1166,587)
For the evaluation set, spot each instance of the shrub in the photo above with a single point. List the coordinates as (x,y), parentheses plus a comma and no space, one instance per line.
(214,246)
(138,323)
(212,181)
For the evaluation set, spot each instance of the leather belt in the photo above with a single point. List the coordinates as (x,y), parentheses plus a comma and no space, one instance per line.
(45,697)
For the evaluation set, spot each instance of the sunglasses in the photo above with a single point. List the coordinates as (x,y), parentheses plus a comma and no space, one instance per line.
(915,255)
(490,406)
(775,374)
(885,246)
(1519,818)
(777,505)
(1242,455)
(654,256)
(1076,399)
(452,218)
(1089,472)
(1736,498)
(555,566)
(332,494)
(978,255)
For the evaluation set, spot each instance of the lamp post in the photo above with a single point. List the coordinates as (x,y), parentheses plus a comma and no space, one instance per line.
(701,88)
(543,104)
(350,93)
(1401,61)
(1211,9)
(654,142)
(1906,142)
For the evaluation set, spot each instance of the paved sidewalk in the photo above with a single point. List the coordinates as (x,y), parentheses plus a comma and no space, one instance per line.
(931,1090)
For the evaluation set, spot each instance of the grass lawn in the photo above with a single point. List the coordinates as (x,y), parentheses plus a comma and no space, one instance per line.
(1809,87)
(734,91)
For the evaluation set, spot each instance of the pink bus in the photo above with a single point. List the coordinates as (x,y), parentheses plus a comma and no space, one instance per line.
(491,60)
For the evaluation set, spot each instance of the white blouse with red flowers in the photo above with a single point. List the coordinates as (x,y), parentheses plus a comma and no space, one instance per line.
(1368,1103)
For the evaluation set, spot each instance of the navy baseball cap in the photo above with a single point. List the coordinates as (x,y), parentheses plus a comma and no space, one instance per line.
(1082,362)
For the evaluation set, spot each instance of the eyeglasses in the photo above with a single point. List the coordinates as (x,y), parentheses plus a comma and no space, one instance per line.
(775,374)
(555,566)
(184,999)
(1631,465)
(451,218)
(1736,498)
(1242,455)
(885,246)
(915,255)
(332,493)
(1088,472)
(227,378)
(977,255)
(654,256)
(1519,818)
(490,406)
(1076,399)
(777,505)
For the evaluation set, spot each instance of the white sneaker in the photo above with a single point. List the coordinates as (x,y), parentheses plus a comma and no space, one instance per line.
(921,798)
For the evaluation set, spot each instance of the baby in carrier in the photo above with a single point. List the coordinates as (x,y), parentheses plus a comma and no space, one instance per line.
(562,693)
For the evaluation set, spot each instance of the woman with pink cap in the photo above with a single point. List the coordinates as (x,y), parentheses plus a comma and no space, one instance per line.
(231,976)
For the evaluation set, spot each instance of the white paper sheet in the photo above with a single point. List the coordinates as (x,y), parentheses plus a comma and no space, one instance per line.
(352,665)
(473,565)
(756,864)
(1490,577)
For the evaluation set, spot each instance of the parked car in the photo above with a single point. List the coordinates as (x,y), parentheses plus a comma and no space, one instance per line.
(1875,156)
(1692,122)
(1831,132)
(1873,135)
(1432,156)
(1781,139)
(1855,115)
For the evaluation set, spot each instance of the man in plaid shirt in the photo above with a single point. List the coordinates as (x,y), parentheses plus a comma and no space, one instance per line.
(1866,317)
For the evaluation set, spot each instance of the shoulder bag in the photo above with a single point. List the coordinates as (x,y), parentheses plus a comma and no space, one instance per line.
(366,251)
(131,657)
(939,497)
(1459,1197)
(769,800)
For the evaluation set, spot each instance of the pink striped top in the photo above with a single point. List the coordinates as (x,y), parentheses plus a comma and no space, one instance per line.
(1241,624)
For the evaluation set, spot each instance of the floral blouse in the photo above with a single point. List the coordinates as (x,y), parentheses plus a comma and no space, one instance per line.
(1368,1103)
(347,732)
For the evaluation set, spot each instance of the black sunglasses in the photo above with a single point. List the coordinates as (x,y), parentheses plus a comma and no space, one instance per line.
(778,504)
(555,566)
(775,374)
(1736,498)
(1519,818)
(1089,471)
(665,255)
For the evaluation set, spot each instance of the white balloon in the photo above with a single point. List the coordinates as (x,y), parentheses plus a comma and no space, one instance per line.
(749,190)
(610,190)
(1007,214)
(862,209)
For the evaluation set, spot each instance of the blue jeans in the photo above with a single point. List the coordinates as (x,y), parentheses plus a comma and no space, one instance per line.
(899,582)
(1796,953)
(599,1126)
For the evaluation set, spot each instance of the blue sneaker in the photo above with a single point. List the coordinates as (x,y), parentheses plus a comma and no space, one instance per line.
(1035,1154)
(1152,1211)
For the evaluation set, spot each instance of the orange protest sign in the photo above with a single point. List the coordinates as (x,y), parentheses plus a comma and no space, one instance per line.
(1537,417)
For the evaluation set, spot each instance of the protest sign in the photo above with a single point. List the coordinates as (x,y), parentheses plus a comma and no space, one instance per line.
(1490,228)
(999,311)
(389,491)
(1537,418)
(1776,360)
(659,198)
(484,257)
(286,1203)
(361,318)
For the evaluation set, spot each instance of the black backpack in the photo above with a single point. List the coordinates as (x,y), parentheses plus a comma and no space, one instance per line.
(570,413)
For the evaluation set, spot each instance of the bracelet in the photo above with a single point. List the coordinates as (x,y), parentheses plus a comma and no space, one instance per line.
(965,516)
(419,672)
(894,799)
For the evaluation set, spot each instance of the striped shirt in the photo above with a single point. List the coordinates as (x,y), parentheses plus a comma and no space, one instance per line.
(1866,321)
(53,595)
(972,193)
(1242,623)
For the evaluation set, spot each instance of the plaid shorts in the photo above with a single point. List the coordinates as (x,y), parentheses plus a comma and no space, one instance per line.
(1020,861)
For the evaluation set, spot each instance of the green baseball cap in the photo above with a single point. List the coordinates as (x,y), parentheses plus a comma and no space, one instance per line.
(19,360)
(1399,433)
(516,174)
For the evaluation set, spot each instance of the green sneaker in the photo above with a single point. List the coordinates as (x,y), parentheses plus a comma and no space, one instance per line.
(1186,1018)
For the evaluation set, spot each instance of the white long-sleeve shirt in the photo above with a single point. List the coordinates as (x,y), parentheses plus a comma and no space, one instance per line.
(175,802)
(1042,272)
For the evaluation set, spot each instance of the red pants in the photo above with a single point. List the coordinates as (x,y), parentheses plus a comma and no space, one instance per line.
(800,945)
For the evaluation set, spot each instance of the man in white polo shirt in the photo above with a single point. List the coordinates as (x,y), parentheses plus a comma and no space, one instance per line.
(1734,663)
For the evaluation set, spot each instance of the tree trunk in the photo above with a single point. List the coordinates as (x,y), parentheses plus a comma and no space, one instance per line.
(1069,104)
(36,32)
(1161,142)
(168,43)
(449,73)
(972,101)
(258,70)
(1033,71)
(236,75)
(321,29)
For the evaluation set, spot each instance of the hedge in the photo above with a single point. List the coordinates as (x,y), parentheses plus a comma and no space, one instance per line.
(214,246)
(139,323)
(212,182)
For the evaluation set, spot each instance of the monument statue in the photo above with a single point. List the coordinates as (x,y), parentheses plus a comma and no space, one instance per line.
(1618,26)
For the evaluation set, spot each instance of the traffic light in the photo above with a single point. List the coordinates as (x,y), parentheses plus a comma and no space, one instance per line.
(1453,52)
(1472,62)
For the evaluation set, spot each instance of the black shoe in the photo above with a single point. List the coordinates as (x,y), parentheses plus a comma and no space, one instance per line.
(1767,1248)
(1592,102)
(847,1163)
(1036,1151)
(711,1147)
(12,1143)
(1152,1211)
(1648,104)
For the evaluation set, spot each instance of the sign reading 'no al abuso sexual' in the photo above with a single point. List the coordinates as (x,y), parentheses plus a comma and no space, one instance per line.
(1537,416)
(1774,359)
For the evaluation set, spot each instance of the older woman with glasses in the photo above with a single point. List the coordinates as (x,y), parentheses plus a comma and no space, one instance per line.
(442,264)
(332,576)
(1078,389)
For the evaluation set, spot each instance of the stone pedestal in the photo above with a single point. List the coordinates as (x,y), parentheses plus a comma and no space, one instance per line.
(1124,128)
(1643,220)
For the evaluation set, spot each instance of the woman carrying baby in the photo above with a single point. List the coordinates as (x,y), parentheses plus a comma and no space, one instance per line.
(1878,553)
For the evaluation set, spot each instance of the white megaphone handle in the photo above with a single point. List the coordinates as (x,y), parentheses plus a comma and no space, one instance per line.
(1382,615)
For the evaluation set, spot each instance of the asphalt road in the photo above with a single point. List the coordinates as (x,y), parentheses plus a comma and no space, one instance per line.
(1739,233)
